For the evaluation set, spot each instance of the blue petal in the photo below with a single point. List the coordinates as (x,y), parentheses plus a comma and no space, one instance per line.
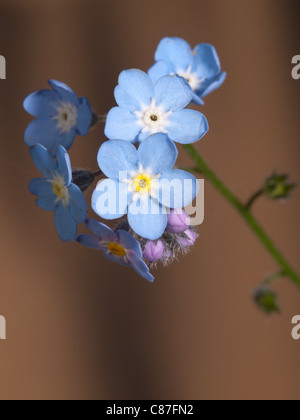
(177,189)
(129,243)
(84,117)
(44,190)
(41,103)
(42,131)
(115,259)
(122,124)
(66,93)
(176,52)
(64,165)
(208,86)
(147,218)
(172,93)
(65,139)
(116,157)
(158,153)
(65,224)
(110,199)
(43,161)
(135,89)
(158,70)
(103,232)
(90,241)
(187,126)
(206,61)
(140,267)
(197,99)
(78,206)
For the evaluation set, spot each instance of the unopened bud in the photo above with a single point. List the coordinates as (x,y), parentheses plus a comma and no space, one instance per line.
(82,178)
(178,221)
(266,300)
(154,251)
(188,239)
(278,187)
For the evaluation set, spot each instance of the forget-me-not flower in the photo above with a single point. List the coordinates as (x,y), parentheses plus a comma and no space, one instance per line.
(147,108)
(119,247)
(60,116)
(200,67)
(142,183)
(56,192)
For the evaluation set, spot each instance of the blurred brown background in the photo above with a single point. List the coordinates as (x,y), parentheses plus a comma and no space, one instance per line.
(79,327)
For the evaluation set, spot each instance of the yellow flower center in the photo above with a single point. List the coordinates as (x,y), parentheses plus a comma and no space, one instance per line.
(117,249)
(142,183)
(60,190)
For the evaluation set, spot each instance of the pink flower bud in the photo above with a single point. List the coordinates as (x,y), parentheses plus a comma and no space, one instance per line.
(190,239)
(178,221)
(154,251)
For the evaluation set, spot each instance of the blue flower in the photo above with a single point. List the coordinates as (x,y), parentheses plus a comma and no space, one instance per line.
(119,247)
(56,191)
(142,184)
(146,108)
(60,116)
(201,67)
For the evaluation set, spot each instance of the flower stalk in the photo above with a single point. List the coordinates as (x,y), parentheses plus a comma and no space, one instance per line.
(246,214)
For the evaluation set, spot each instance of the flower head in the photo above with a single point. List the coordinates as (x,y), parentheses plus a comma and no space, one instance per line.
(60,116)
(146,108)
(56,192)
(143,184)
(117,246)
(200,67)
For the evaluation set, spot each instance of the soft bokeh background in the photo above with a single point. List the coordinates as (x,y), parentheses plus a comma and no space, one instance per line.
(79,327)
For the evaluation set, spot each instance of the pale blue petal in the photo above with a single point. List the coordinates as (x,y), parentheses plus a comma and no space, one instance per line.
(84,117)
(42,103)
(67,94)
(64,165)
(128,242)
(122,124)
(148,219)
(140,266)
(197,99)
(117,157)
(206,62)
(158,70)
(187,126)
(209,86)
(43,161)
(172,93)
(110,199)
(177,189)
(42,131)
(90,241)
(158,153)
(78,206)
(135,90)
(65,224)
(176,52)
(103,232)
(44,190)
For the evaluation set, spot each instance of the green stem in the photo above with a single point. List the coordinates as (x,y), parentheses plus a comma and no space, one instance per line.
(245,213)
(271,279)
(253,199)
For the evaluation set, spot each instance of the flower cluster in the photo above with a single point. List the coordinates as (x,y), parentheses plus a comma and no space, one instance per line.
(143,187)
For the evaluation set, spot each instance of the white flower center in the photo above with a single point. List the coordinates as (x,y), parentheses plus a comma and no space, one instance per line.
(60,189)
(153,119)
(191,78)
(66,117)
